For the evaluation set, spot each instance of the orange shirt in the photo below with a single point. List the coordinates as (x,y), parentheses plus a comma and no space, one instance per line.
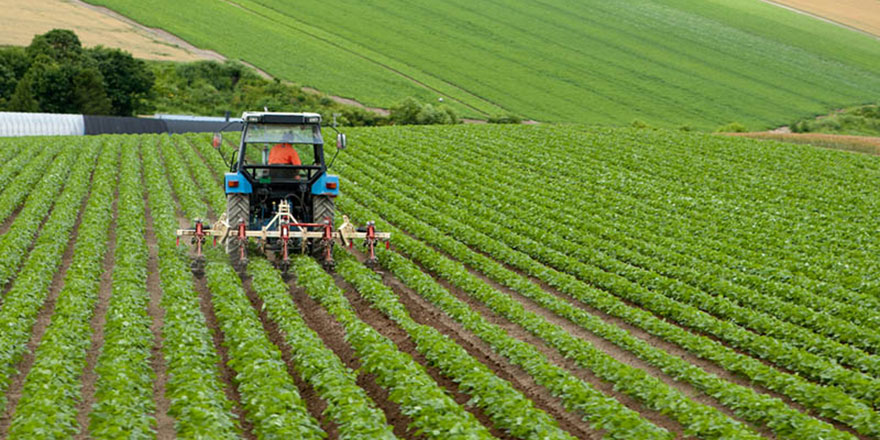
(283,154)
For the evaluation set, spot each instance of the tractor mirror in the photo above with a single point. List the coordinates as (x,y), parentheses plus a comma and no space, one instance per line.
(217,140)
(340,141)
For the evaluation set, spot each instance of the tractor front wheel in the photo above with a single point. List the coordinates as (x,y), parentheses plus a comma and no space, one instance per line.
(237,211)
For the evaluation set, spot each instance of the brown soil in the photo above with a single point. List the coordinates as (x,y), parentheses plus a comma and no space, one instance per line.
(313,401)
(333,336)
(99,319)
(859,15)
(227,376)
(165,424)
(392,331)
(44,318)
(425,313)
(94,25)
(4,227)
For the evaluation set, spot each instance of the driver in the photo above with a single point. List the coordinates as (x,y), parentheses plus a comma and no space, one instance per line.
(283,154)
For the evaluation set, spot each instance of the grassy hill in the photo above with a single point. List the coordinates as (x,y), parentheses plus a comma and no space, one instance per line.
(666,62)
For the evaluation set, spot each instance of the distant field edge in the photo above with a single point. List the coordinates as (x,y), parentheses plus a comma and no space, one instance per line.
(857,144)
(860,20)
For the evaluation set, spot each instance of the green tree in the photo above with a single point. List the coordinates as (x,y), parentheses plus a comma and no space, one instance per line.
(59,44)
(89,95)
(127,81)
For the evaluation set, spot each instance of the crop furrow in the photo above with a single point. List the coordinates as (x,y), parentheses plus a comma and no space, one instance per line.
(508,409)
(197,400)
(269,396)
(434,414)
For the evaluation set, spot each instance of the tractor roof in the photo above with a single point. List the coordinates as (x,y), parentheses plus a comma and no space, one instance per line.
(281,118)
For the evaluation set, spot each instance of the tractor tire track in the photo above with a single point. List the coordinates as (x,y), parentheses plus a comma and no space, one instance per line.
(39,329)
(227,376)
(333,336)
(404,343)
(426,313)
(314,403)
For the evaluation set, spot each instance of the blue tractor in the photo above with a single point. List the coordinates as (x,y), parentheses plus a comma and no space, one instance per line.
(285,207)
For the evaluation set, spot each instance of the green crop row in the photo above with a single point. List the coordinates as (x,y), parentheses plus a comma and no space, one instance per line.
(506,406)
(124,387)
(25,299)
(197,400)
(579,243)
(14,164)
(177,172)
(15,243)
(268,394)
(744,401)
(433,412)
(348,406)
(538,239)
(202,143)
(52,387)
(14,194)
(211,192)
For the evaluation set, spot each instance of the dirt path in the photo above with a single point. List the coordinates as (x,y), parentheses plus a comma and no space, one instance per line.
(227,376)
(333,336)
(426,313)
(165,424)
(99,319)
(44,318)
(313,401)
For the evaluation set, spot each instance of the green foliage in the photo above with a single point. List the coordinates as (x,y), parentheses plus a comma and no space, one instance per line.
(411,112)
(733,127)
(56,75)
(860,121)
(128,81)
(508,118)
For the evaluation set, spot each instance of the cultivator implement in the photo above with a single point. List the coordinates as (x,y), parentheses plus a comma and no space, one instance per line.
(283,234)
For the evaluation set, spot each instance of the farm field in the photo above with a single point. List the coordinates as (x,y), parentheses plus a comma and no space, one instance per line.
(543,282)
(668,63)
(21,21)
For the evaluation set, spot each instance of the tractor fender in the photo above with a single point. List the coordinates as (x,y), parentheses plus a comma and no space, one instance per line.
(326,185)
(237,183)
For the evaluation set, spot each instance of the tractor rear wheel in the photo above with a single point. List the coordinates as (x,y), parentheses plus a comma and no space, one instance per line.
(237,211)
(322,207)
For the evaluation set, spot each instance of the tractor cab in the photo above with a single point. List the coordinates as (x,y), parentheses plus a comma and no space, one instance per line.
(298,182)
